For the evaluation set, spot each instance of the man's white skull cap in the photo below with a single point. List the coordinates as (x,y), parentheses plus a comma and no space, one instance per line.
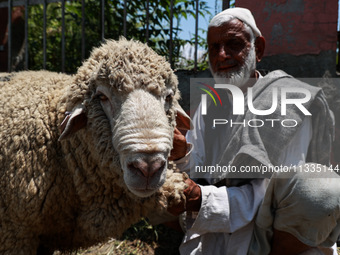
(242,14)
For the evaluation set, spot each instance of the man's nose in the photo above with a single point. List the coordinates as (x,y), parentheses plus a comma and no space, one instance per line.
(224,52)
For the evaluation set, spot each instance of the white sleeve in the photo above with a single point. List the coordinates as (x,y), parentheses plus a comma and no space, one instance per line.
(228,209)
(295,152)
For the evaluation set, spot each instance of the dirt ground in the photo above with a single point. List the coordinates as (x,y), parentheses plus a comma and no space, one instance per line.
(140,239)
(131,247)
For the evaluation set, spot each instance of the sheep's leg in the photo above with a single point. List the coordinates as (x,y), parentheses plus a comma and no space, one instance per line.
(18,242)
(20,249)
(43,250)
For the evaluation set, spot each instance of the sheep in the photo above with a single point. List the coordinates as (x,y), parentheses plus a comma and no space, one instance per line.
(83,157)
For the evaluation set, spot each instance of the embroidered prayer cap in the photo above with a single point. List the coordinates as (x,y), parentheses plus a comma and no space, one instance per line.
(242,14)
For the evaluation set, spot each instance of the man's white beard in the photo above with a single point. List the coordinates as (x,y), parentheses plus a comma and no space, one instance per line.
(241,76)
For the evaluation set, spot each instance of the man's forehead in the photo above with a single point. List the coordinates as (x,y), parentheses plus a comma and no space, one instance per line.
(242,14)
(231,28)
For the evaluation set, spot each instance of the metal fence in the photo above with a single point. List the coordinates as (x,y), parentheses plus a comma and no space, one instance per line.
(26,3)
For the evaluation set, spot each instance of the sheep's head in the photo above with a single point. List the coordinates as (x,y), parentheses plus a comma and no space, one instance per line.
(128,96)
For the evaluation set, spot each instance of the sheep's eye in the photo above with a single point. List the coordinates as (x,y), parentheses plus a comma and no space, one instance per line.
(102,97)
(169,97)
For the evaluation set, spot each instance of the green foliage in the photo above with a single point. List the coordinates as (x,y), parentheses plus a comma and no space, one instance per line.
(136,24)
(202,63)
(162,239)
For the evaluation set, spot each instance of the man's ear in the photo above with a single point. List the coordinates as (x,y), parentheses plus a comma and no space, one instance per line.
(73,122)
(260,44)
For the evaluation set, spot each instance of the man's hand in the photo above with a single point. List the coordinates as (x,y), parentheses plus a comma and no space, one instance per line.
(179,146)
(193,199)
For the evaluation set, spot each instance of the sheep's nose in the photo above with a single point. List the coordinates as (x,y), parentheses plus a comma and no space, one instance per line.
(147,167)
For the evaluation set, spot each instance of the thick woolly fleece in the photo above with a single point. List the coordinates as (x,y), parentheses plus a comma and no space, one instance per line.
(64,195)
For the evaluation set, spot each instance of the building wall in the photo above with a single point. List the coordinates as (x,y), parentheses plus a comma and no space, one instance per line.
(301,35)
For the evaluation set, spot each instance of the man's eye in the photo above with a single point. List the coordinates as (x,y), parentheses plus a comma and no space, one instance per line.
(235,45)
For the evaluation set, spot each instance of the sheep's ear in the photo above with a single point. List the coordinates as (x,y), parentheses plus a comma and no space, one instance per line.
(183,120)
(73,122)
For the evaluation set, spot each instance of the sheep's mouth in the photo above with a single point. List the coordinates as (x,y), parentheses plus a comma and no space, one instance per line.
(143,186)
(145,173)
(146,186)
(144,192)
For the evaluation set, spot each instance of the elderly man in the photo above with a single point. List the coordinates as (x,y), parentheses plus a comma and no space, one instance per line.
(286,213)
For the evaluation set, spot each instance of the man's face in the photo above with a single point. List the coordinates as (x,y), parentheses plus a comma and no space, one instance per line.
(231,54)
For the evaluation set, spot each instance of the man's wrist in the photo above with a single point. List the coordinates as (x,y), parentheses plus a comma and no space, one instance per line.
(185,158)
(194,200)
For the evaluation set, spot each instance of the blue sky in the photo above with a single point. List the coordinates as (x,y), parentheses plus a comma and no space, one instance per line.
(188,26)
